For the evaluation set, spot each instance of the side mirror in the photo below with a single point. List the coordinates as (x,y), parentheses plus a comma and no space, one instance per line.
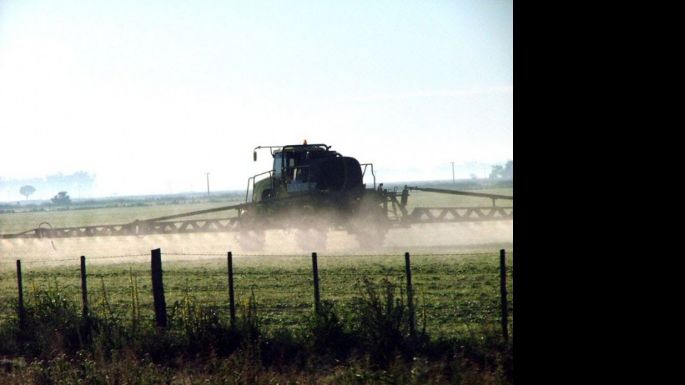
(254,155)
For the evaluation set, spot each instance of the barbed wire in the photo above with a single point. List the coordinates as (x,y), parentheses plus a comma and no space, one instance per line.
(323,273)
(30,260)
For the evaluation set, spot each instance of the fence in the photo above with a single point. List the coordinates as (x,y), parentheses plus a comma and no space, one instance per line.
(445,292)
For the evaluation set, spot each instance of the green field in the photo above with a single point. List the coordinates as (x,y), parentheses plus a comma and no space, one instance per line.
(456,284)
(25,220)
(456,294)
(88,214)
(454,290)
(278,338)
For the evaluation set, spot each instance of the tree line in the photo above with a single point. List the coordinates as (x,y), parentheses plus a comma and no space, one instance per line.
(57,184)
(505,171)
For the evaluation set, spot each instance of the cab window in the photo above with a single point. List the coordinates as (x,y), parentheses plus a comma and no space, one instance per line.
(278,165)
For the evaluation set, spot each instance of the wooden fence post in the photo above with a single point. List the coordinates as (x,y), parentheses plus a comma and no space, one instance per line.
(158,288)
(84,287)
(20,308)
(231,293)
(315,272)
(503,294)
(410,294)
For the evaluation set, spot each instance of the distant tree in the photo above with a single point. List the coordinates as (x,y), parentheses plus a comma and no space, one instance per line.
(27,190)
(62,198)
(497,171)
(508,170)
(503,172)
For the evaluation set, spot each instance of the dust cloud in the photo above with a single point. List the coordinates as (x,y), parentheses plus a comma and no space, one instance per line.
(423,238)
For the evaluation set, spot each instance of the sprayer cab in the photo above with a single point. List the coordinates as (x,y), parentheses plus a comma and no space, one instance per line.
(310,169)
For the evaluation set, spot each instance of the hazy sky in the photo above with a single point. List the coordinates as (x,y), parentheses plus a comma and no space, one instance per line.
(150,95)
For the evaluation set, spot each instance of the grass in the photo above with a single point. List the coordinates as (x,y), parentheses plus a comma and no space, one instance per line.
(13,222)
(457,293)
(430,199)
(361,334)
(20,221)
(360,337)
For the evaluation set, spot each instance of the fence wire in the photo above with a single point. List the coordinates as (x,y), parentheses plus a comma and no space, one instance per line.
(32,259)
